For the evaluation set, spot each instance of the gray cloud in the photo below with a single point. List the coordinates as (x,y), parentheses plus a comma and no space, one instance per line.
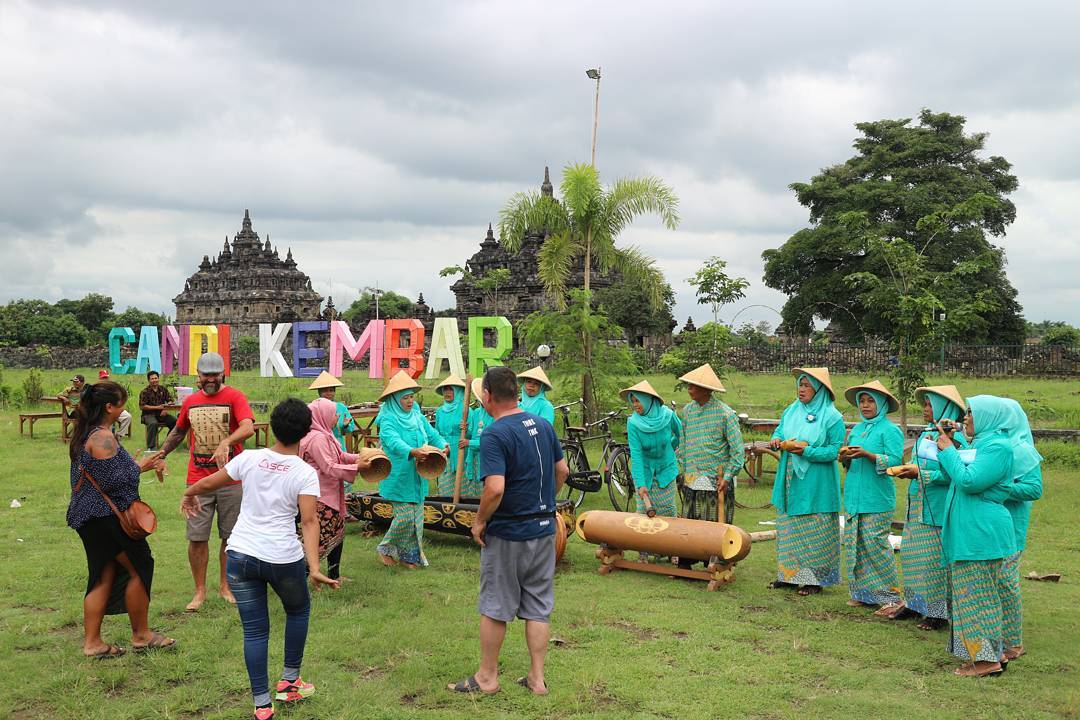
(379,140)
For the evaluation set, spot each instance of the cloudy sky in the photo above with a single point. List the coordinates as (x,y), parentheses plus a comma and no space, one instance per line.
(378,140)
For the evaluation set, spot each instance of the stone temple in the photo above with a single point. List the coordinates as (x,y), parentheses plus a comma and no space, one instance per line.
(247,284)
(524,293)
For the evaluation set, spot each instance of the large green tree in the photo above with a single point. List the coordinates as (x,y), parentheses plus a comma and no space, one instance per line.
(583,227)
(391,305)
(929,186)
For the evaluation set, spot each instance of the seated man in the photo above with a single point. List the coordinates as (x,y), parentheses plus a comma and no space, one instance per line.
(69,398)
(123,423)
(152,402)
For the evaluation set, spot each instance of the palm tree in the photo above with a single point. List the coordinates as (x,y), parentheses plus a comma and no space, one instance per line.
(585,225)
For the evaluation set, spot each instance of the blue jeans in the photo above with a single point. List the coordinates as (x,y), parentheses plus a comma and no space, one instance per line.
(248,577)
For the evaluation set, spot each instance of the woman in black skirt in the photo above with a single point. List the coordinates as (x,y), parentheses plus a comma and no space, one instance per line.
(120,569)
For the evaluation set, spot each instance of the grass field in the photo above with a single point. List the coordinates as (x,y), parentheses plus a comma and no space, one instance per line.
(628,645)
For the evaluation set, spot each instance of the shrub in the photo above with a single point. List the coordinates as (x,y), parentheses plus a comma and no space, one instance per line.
(31,388)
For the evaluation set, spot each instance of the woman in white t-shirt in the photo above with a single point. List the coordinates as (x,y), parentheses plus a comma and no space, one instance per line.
(263,549)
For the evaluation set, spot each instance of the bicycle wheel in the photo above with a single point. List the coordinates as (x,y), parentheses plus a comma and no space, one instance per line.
(620,483)
(753,492)
(576,460)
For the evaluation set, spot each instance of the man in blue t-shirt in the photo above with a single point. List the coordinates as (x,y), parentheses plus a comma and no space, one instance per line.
(523,469)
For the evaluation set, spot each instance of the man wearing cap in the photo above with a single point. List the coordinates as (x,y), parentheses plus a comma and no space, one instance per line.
(123,423)
(218,420)
(71,394)
(711,454)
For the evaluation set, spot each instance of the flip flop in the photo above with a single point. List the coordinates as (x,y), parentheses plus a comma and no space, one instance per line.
(157,642)
(468,686)
(110,652)
(809,590)
(523,681)
(780,585)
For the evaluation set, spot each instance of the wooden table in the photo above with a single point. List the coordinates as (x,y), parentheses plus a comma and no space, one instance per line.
(365,435)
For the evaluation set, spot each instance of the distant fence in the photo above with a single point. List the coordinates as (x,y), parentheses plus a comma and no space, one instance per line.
(980,360)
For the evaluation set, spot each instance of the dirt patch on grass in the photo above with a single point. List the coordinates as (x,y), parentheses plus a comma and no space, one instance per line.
(34,608)
(642,634)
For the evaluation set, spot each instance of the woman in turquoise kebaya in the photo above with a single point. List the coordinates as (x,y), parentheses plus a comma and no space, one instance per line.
(448,424)
(873,446)
(403,430)
(926,581)
(807,491)
(1026,487)
(653,432)
(978,532)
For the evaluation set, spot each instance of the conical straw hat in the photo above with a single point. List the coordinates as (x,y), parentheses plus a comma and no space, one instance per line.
(451,379)
(477,386)
(851,394)
(949,392)
(642,387)
(400,381)
(537,373)
(819,374)
(705,377)
(325,380)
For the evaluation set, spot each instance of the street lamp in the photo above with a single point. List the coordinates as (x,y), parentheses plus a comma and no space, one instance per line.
(594,74)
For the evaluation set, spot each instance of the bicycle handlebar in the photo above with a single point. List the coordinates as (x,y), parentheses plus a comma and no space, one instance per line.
(566,406)
(606,419)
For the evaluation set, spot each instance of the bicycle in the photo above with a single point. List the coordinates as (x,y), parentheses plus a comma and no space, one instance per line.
(614,461)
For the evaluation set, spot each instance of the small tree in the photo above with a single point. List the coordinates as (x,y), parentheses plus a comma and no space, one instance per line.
(715,288)
(564,330)
(31,387)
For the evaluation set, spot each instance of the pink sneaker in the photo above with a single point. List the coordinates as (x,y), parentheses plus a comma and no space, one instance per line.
(264,713)
(293,691)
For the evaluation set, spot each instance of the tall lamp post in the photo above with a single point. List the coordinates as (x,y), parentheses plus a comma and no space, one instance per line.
(594,74)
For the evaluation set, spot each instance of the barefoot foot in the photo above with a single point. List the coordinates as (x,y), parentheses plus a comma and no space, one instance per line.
(227,596)
(196,601)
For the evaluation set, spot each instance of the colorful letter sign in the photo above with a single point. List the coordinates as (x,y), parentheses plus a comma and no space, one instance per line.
(481,356)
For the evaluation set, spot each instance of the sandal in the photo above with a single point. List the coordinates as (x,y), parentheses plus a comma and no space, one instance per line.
(780,585)
(110,652)
(890,611)
(468,686)
(973,670)
(523,681)
(930,623)
(157,642)
(1014,652)
(809,590)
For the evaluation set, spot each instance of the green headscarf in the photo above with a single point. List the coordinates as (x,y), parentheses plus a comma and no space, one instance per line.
(657,415)
(942,407)
(882,406)
(1025,456)
(533,404)
(810,421)
(392,410)
(452,408)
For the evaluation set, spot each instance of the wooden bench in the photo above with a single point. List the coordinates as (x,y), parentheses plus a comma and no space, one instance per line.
(264,429)
(33,417)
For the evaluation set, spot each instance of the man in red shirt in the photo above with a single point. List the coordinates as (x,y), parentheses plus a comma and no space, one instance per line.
(218,420)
